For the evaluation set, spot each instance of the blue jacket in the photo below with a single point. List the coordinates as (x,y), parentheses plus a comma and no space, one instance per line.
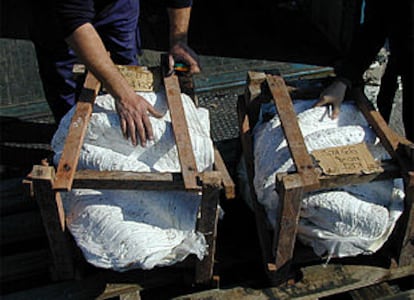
(74,13)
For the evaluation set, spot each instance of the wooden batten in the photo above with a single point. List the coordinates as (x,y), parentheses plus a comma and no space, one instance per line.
(207,224)
(302,159)
(181,133)
(69,160)
(227,181)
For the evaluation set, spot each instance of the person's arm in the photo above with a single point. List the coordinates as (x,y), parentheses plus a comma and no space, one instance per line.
(132,109)
(368,40)
(178,34)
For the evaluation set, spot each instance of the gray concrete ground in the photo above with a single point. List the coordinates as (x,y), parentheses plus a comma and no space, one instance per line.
(373,77)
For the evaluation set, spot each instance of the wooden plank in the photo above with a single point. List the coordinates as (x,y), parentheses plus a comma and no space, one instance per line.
(264,229)
(69,160)
(53,217)
(302,159)
(207,224)
(372,292)
(128,180)
(409,294)
(227,181)
(317,282)
(406,223)
(389,139)
(187,86)
(391,170)
(397,146)
(123,291)
(254,95)
(290,190)
(181,134)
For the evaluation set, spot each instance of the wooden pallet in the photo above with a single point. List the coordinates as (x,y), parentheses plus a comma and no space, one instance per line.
(47,184)
(279,246)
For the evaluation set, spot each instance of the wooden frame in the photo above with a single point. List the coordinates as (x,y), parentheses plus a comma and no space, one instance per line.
(46,185)
(278,245)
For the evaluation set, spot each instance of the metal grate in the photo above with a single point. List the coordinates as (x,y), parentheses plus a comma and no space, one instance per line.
(222,105)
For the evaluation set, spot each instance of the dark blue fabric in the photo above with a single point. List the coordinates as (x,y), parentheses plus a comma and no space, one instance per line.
(117,25)
(116,21)
(74,13)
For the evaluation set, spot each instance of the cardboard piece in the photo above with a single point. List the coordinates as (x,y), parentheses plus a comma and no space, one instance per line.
(350,159)
(139,77)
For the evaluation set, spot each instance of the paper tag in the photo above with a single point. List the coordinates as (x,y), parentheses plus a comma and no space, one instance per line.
(139,77)
(351,159)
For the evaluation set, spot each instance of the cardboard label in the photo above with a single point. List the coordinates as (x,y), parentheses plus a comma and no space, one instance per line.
(351,159)
(140,78)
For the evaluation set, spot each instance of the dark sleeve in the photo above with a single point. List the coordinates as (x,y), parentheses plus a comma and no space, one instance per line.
(74,13)
(179,3)
(369,39)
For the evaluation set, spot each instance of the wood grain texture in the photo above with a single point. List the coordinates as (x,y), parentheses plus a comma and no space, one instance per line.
(303,161)
(69,160)
(181,134)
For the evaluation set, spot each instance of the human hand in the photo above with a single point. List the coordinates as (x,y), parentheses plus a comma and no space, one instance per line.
(333,95)
(181,52)
(134,118)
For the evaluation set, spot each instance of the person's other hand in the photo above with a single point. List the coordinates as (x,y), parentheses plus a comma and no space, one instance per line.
(333,95)
(181,52)
(134,118)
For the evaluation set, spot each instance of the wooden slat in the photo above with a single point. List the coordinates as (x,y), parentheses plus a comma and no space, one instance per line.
(263,230)
(293,134)
(227,181)
(127,180)
(290,192)
(372,292)
(391,170)
(406,223)
(318,281)
(53,217)
(389,139)
(398,147)
(123,291)
(181,134)
(77,130)
(207,224)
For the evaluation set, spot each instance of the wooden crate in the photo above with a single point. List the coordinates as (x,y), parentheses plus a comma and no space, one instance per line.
(280,250)
(47,183)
